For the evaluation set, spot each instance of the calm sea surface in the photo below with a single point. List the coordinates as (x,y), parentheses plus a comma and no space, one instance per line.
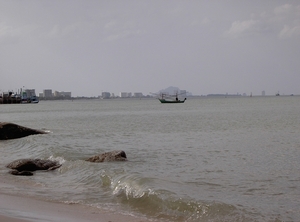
(209,159)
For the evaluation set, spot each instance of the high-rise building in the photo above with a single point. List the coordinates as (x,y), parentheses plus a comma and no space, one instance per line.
(105,95)
(30,92)
(47,93)
(125,94)
(65,94)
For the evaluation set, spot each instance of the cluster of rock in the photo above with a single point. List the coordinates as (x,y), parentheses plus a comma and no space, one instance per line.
(26,167)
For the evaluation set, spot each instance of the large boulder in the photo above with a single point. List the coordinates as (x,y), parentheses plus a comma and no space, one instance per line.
(118,155)
(14,131)
(25,167)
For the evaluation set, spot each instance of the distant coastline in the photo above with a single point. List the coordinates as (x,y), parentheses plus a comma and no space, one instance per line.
(153,97)
(226,95)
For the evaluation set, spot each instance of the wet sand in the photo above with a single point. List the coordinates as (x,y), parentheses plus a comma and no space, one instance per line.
(22,209)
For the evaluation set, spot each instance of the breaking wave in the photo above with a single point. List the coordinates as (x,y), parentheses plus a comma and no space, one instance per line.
(133,192)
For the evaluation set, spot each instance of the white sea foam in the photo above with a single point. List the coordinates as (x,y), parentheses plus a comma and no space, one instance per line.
(59,159)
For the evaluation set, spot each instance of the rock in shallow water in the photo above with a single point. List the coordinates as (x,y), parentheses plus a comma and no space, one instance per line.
(13,131)
(118,155)
(25,167)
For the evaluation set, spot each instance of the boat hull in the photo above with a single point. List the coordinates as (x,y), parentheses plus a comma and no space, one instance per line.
(171,101)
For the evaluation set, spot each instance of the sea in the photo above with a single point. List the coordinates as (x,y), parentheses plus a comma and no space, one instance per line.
(208,159)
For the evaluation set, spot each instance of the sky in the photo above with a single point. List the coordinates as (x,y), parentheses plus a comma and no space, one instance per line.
(205,47)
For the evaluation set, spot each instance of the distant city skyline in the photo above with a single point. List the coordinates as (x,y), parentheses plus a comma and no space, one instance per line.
(170,90)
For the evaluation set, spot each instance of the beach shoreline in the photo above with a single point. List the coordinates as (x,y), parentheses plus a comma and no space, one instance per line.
(28,209)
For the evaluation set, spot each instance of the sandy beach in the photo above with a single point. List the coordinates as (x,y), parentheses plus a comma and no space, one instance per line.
(22,209)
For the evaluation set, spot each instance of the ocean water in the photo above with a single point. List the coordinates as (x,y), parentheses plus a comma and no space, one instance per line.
(209,159)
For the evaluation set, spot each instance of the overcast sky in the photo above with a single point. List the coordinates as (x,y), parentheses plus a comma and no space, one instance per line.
(204,47)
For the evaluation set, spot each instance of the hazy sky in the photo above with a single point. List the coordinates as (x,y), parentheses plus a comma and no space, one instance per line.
(204,47)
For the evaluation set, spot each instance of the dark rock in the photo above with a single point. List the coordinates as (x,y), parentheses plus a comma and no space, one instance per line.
(119,155)
(14,131)
(25,167)
(22,173)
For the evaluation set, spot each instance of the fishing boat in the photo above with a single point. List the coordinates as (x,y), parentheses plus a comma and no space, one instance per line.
(164,98)
(29,99)
(34,99)
(172,101)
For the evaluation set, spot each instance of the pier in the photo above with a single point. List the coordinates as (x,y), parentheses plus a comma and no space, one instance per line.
(9,98)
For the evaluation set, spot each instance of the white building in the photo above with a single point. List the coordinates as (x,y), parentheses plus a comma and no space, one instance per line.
(62,94)
(125,94)
(30,92)
(47,93)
